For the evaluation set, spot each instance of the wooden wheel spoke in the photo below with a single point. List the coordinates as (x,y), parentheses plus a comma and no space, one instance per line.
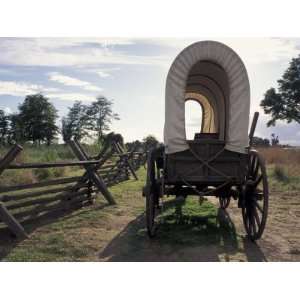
(246,219)
(256,216)
(224,202)
(255,171)
(258,180)
(253,223)
(259,207)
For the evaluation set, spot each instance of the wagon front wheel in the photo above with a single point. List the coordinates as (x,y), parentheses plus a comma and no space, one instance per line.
(255,197)
(152,196)
(151,207)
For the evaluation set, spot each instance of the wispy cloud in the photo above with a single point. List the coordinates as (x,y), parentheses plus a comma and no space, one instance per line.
(14,88)
(106,72)
(69,52)
(21,89)
(263,50)
(251,50)
(71,81)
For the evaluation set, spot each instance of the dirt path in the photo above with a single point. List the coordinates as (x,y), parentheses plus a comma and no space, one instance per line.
(281,241)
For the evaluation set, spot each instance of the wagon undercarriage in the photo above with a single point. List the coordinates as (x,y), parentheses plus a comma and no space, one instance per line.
(251,194)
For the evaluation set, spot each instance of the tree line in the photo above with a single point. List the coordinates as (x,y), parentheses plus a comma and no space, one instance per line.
(36,121)
(265,142)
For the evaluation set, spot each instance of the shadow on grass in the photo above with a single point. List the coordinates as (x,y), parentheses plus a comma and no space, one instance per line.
(8,241)
(186,232)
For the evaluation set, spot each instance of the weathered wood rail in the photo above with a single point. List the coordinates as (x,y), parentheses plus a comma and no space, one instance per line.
(23,202)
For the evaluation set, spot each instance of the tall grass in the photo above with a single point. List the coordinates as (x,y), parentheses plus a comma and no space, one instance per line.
(283,167)
(45,154)
(279,155)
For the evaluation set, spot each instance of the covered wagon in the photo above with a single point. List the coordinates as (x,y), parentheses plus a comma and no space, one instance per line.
(219,161)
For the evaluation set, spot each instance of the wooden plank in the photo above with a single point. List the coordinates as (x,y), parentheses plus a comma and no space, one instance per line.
(108,172)
(7,198)
(103,151)
(106,167)
(51,182)
(14,226)
(46,200)
(34,213)
(9,157)
(52,165)
(85,155)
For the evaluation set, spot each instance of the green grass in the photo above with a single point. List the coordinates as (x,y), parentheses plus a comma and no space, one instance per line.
(67,238)
(84,233)
(192,222)
(45,154)
(281,181)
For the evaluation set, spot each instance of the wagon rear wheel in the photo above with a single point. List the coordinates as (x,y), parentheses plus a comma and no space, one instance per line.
(224,201)
(152,196)
(255,197)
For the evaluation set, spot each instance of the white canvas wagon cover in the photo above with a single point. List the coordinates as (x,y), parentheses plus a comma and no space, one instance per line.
(214,75)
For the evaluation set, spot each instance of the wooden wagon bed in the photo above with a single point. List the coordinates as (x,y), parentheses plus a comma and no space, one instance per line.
(207,162)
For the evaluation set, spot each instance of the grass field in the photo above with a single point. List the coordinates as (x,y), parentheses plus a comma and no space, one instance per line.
(188,231)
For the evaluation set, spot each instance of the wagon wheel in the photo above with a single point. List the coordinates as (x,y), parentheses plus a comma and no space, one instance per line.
(152,196)
(224,201)
(255,197)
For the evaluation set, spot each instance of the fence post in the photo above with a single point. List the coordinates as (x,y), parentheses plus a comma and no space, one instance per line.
(125,157)
(9,157)
(14,226)
(92,173)
(5,215)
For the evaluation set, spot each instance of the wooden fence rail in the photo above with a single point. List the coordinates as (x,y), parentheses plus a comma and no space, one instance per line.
(112,165)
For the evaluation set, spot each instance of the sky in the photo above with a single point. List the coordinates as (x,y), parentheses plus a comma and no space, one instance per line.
(131,72)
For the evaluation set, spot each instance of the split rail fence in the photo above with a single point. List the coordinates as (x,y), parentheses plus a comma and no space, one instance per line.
(20,203)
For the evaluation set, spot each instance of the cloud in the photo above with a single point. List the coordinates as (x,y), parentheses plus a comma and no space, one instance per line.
(14,88)
(103,74)
(263,50)
(82,52)
(251,50)
(106,72)
(288,132)
(71,81)
(69,52)
(71,97)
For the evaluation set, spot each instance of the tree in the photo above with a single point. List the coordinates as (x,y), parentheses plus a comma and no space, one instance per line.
(76,123)
(66,130)
(260,142)
(4,127)
(112,137)
(37,117)
(274,140)
(138,145)
(284,104)
(100,116)
(150,142)
(15,131)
